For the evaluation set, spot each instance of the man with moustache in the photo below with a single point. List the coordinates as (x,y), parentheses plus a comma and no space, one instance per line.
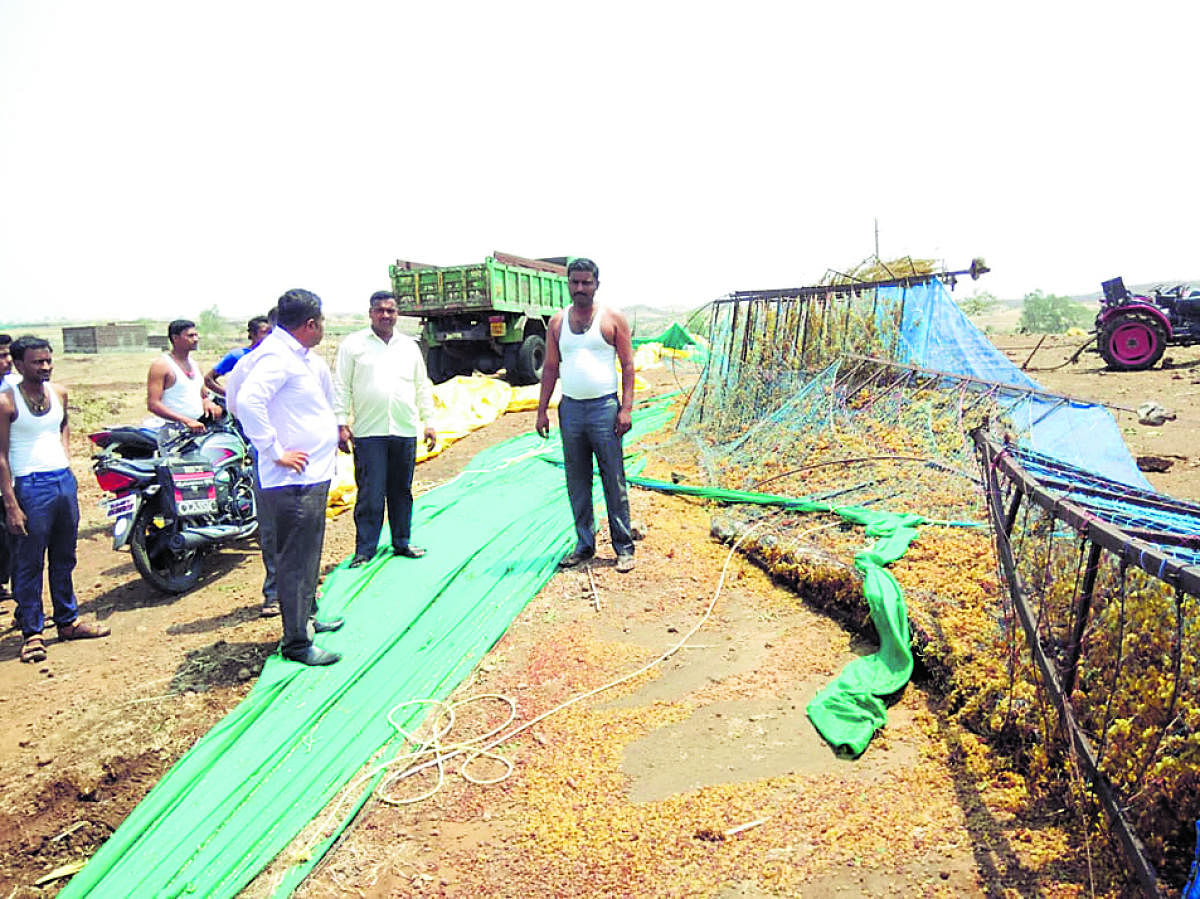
(583,343)
(382,385)
(285,405)
(40,499)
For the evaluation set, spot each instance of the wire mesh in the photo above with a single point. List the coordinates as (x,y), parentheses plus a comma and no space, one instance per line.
(1089,664)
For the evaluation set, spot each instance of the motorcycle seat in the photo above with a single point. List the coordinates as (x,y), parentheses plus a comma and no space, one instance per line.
(133,443)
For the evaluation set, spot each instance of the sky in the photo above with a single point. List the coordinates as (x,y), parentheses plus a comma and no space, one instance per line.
(160,158)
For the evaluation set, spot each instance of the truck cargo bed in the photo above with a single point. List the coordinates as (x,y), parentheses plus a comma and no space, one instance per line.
(490,286)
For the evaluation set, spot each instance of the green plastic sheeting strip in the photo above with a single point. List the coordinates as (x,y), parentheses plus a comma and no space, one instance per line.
(414,629)
(849,710)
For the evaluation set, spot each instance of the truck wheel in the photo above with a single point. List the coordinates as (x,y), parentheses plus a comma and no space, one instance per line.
(530,359)
(436,365)
(1132,342)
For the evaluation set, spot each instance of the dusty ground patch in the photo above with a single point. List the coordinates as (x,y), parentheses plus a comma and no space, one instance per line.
(623,794)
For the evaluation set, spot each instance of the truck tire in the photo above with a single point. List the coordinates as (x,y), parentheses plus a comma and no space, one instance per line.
(436,365)
(530,359)
(1132,342)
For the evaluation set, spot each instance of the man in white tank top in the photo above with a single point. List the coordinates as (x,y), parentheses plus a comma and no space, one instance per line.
(40,498)
(583,343)
(8,378)
(175,388)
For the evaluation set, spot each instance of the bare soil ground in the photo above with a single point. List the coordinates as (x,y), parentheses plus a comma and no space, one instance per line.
(630,793)
(1173,384)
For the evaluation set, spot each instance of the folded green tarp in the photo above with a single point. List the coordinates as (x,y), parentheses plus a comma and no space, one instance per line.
(414,629)
(849,710)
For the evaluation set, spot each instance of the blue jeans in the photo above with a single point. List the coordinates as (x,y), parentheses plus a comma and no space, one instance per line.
(50,502)
(383,472)
(587,428)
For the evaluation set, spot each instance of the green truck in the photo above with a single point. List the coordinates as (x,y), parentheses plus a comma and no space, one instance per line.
(483,317)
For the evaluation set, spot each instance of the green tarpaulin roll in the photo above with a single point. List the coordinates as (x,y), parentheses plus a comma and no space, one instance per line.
(414,629)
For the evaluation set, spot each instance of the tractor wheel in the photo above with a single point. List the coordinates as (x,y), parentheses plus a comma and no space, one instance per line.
(1132,342)
(437,365)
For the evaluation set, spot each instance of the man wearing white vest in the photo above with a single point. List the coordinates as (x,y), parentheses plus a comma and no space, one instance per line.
(583,343)
(175,387)
(40,498)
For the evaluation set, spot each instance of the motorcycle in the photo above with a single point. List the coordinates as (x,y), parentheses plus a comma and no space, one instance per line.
(177,496)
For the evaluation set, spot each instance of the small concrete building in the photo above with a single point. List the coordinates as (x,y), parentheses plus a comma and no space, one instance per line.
(110,338)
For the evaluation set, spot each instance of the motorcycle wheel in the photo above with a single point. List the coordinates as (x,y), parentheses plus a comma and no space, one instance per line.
(1132,342)
(159,567)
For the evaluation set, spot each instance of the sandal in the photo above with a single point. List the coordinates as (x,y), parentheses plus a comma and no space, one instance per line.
(82,630)
(33,649)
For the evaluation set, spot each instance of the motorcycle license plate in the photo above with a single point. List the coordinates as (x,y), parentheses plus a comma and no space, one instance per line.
(122,505)
(195,491)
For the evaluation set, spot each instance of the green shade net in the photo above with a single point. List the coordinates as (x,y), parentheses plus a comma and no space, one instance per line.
(675,337)
(849,710)
(414,629)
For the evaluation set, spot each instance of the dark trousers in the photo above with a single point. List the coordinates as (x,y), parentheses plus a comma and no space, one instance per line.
(51,506)
(383,471)
(299,516)
(266,537)
(587,429)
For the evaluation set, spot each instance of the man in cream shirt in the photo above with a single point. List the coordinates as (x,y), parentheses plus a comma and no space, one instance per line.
(382,399)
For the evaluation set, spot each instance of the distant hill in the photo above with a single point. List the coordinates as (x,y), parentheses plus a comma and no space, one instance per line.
(647,321)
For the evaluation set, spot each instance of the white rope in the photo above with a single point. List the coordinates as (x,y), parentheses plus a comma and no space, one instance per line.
(475,752)
(432,752)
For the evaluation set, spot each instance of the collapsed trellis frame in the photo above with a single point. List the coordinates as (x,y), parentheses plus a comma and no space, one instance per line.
(794,325)
(1000,464)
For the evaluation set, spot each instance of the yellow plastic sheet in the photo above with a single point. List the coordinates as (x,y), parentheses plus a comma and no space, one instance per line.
(461,405)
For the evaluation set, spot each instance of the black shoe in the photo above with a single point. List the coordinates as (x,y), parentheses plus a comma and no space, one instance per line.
(359,561)
(328,626)
(409,551)
(314,655)
(579,555)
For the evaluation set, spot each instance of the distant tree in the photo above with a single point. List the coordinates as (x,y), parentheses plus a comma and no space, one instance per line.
(1051,314)
(209,322)
(978,303)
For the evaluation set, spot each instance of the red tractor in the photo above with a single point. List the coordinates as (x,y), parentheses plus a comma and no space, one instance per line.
(1132,331)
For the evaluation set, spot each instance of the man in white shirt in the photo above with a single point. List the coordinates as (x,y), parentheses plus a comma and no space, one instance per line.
(285,405)
(583,343)
(382,385)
